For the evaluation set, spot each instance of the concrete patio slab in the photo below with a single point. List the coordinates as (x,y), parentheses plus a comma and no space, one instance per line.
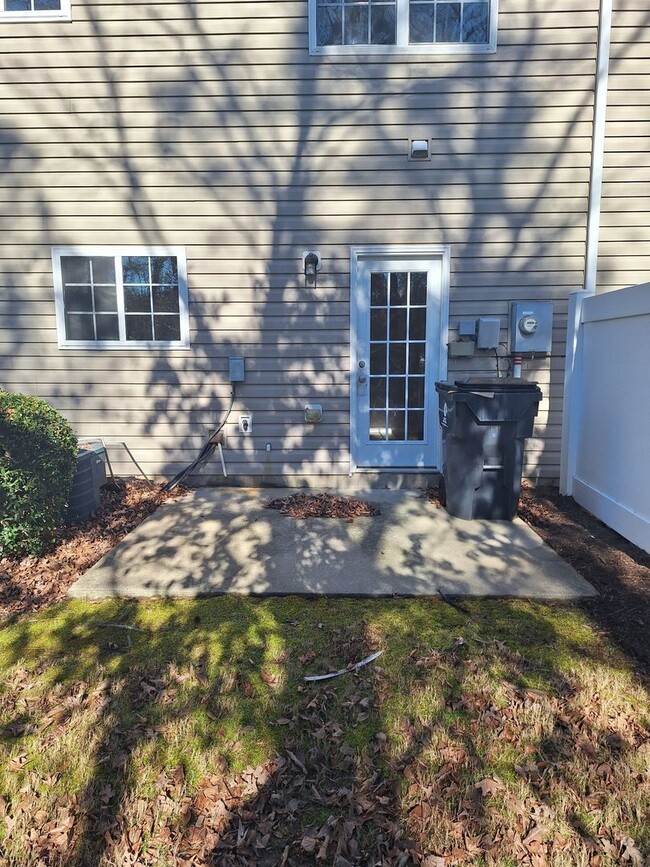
(224,540)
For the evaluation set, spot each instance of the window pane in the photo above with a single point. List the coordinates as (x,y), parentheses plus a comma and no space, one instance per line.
(417,354)
(165,299)
(377,358)
(135,269)
(475,23)
(42,5)
(79,326)
(398,284)
(167,327)
(75,269)
(421,22)
(107,327)
(377,392)
(139,328)
(397,358)
(103,269)
(77,299)
(398,324)
(382,25)
(329,26)
(105,299)
(164,269)
(377,425)
(137,299)
(17,6)
(418,323)
(397,391)
(416,391)
(416,426)
(448,22)
(378,324)
(355,30)
(396,426)
(379,290)
(419,288)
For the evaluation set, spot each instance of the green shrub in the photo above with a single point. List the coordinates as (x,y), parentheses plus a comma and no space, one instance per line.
(38,453)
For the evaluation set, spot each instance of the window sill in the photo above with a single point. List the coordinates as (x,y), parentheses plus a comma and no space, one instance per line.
(14,17)
(430,50)
(112,345)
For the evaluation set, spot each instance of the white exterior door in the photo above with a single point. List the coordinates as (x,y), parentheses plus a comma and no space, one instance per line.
(399,304)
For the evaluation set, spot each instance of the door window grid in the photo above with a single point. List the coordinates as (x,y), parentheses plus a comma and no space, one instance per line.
(397,356)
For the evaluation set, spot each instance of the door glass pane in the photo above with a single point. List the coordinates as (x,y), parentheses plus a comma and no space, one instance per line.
(398,289)
(378,324)
(397,391)
(397,358)
(415,425)
(377,392)
(396,425)
(377,425)
(416,392)
(417,355)
(418,323)
(379,290)
(418,289)
(377,358)
(398,324)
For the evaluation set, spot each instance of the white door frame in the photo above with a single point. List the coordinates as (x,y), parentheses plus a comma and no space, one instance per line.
(424,251)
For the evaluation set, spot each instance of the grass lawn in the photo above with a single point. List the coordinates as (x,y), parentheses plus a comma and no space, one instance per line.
(504,733)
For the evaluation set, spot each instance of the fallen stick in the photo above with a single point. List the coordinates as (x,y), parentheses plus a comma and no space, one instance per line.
(341,671)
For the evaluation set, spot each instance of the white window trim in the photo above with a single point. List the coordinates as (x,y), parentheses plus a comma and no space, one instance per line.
(118,252)
(62,14)
(402,47)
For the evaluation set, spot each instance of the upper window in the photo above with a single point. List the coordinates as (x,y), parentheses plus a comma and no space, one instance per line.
(29,10)
(110,298)
(410,26)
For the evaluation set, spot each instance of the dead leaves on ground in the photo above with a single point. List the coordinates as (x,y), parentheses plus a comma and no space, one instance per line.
(33,583)
(323,506)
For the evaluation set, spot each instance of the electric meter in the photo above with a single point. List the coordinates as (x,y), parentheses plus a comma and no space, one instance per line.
(531,327)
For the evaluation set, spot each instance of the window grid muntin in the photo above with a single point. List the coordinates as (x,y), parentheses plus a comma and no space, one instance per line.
(404,413)
(93,313)
(117,254)
(403,43)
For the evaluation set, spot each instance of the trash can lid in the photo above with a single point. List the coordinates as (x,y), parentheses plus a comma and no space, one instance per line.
(482,383)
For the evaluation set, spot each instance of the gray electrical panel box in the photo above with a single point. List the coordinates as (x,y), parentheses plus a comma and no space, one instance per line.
(531,327)
(236,369)
(487,332)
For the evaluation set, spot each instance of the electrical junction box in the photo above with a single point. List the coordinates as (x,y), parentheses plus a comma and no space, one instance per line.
(531,327)
(487,332)
(236,369)
(467,328)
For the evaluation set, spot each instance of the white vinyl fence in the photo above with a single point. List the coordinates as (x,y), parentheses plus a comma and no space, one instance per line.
(606,418)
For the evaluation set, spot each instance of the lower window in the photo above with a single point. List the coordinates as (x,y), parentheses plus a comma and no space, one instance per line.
(109,298)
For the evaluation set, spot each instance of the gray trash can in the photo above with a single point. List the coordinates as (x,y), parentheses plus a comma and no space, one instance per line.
(484,424)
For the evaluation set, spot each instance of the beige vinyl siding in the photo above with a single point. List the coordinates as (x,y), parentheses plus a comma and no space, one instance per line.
(208,126)
(624,248)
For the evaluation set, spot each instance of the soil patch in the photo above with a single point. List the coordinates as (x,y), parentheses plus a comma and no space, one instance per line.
(32,583)
(617,569)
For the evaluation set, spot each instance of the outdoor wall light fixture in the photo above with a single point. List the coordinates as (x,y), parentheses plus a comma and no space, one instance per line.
(311,265)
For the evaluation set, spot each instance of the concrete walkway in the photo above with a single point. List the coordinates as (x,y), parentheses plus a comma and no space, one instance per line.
(220,540)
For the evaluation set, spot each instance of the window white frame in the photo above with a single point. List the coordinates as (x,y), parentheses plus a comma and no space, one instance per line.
(402,45)
(62,14)
(117,253)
